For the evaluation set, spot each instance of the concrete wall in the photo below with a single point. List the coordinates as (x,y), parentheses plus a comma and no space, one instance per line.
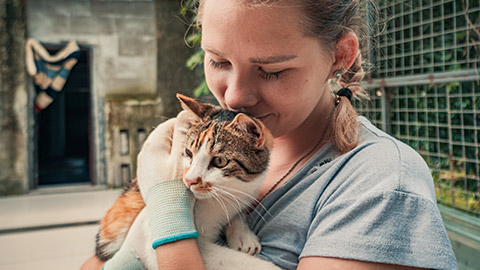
(122,37)
(137,64)
(173,76)
(14,146)
(129,120)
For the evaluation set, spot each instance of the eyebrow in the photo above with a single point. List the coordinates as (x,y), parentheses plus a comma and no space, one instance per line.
(272,59)
(217,53)
(259,60)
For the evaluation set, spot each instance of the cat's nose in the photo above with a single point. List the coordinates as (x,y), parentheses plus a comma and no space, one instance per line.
(191,182)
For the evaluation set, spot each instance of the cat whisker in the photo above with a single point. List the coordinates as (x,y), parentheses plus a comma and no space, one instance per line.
(233,201)
(246,202)
(236,203)
(221,203)
(238,207)
(255,201)
(242,193)
(239,200)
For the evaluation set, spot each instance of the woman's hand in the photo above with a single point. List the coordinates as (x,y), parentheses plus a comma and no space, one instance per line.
(161,156)
(159,171)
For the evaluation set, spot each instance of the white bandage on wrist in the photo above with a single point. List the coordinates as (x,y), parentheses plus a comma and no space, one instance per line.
(170,208)
(124,259)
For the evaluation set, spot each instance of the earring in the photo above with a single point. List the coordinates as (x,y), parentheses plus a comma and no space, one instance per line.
(338,74)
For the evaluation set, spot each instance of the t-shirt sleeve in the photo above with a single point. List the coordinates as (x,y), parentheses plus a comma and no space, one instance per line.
(381,208)
(390,227)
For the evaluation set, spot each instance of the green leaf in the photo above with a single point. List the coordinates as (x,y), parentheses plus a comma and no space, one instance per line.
(194,62)
(183,10)
(453,86)
(201,89)
(194,39)
(195,59)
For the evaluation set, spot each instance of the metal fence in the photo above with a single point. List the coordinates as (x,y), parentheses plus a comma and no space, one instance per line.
(425,90)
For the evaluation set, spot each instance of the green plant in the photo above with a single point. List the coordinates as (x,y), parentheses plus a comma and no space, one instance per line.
(193,39)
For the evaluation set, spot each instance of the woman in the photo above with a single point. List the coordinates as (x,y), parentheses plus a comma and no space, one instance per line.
(342,194)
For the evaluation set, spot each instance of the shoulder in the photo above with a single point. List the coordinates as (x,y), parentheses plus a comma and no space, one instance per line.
(383,163)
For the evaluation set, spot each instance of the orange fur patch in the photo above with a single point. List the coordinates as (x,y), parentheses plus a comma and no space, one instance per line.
(121,215)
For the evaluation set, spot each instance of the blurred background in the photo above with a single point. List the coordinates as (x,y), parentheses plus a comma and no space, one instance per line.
(65,152)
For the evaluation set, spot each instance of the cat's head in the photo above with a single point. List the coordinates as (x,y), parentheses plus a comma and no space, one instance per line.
(226,153)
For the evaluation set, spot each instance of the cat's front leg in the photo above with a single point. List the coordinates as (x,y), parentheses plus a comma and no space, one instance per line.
(241,238)
(220,258)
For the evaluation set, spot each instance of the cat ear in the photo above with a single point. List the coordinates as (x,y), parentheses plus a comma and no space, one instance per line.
(251,127)
(198,108)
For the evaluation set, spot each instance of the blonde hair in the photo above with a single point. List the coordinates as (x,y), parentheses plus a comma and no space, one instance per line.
(344,132)
(328,21)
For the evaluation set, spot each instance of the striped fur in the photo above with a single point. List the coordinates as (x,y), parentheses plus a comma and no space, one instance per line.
(242,143)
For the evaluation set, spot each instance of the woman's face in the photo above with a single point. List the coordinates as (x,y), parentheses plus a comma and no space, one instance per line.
(257,60)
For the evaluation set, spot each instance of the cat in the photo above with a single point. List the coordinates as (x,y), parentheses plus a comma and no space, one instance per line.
(228,153)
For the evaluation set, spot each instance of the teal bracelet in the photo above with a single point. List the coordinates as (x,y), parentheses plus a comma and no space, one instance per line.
(174,238)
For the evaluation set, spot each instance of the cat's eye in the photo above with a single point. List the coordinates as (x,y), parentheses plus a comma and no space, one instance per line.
(219,162)
(188,153)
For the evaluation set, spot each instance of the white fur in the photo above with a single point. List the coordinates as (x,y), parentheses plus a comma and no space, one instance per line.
(115,245)
(241,238)
(220,258)
(212,212)
(215,257)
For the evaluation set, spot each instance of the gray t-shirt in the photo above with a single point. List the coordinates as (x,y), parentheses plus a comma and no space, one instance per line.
(375,203)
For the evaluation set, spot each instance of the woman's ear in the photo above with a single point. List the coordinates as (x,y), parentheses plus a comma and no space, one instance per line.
(347,50)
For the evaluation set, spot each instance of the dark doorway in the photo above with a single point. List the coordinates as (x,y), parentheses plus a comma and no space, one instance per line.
(64,129)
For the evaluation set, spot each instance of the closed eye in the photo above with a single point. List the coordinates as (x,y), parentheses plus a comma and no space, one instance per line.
(216,64)
(270,75)
(264,74)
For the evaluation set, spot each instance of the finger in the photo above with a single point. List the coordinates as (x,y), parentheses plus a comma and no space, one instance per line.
(187,117)
(161,137)
(183,124)
(178,143)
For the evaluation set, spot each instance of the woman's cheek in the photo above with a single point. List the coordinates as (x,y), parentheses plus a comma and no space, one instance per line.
(216,84)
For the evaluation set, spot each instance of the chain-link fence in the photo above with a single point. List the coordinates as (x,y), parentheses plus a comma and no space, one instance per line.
(425,89)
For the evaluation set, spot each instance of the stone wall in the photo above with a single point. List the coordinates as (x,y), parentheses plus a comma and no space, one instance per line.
(122,39)
(129,121)
(14,147)
(173,75)
(137,64)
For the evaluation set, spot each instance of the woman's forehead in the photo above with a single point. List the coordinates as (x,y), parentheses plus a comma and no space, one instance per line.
(273,32)
(270,17)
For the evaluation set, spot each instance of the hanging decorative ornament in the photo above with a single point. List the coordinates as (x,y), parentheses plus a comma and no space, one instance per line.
(49,72)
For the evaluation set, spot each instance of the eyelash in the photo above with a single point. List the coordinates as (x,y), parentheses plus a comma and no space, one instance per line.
(216,64)
(263,73)
(270,75)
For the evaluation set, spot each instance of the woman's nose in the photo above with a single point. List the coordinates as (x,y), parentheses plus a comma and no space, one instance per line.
(240,94)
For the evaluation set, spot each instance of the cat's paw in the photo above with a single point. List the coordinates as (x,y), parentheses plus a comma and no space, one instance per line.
(244,240)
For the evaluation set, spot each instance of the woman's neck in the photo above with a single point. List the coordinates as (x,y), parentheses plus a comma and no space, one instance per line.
(293,150)
(291,147)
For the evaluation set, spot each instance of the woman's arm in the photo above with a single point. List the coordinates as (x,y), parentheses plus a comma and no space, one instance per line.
(93,263)
(178,255)
(309,263)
